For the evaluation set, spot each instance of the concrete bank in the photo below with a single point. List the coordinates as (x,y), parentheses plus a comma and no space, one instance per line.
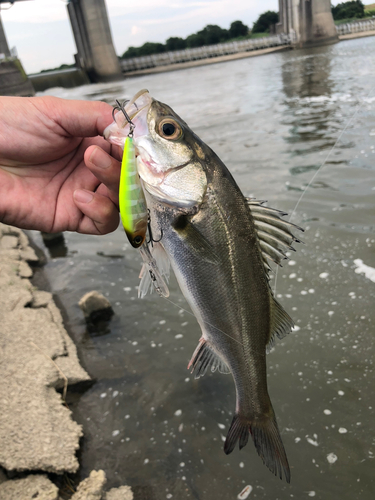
(360,34)
(203,62)
(37,356)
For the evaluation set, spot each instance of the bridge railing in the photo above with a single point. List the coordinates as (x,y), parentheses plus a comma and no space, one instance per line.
(221,49)
(356,27)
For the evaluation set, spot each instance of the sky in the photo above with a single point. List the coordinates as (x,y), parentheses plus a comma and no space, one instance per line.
(41,32)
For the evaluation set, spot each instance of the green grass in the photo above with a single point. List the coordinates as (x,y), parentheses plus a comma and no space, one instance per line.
(352,20)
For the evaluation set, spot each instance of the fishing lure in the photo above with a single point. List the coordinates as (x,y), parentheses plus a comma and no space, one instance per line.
(133,209)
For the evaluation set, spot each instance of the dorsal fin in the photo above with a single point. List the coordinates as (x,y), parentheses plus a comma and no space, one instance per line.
(275,234)
(204,357)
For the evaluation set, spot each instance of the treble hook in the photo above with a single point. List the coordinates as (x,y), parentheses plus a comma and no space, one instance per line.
(151,240)
(121,107)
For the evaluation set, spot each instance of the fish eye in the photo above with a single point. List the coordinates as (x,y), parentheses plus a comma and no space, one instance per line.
(170,129)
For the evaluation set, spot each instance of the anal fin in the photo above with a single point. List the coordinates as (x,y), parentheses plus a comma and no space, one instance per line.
(281,323)
(203,358)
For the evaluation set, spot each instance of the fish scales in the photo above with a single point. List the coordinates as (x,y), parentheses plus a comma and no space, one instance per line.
(238,279)
(209,232)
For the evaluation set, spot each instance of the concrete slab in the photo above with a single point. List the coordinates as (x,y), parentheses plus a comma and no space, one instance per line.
(36,357)
(122,493)
(38,486)
(92,487)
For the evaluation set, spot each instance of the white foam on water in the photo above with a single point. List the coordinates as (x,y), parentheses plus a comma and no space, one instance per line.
(311,441)
(342,430)
(362,268)
(323,275)
(331,457)
(245,492)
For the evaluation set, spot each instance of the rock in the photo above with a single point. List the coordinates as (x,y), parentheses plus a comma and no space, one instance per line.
(95,307)
(24,270)
(38,487)
(9,242)
(41,299)
(29,255)
(92,487)
(122,493)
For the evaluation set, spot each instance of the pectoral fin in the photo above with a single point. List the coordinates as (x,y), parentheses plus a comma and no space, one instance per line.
(195,241)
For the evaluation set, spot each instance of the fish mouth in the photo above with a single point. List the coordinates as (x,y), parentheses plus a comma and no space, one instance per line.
(136,109)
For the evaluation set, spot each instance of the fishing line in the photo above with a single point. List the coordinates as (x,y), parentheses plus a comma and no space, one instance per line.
(359,106)
(206,322)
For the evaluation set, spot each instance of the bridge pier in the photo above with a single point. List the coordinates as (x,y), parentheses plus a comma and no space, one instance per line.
(92,34)
(309,21)
(13,79)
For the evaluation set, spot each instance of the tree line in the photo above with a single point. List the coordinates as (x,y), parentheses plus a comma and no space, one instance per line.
(213,34)
(348,10)
(209,35)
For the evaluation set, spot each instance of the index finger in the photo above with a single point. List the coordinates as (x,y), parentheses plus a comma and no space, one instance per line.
(77,118)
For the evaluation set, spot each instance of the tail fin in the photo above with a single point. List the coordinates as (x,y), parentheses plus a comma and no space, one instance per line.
(267,440)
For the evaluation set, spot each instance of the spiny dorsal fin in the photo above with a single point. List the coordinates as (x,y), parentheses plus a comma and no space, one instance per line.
(203,357)
(275,234)
(281,323)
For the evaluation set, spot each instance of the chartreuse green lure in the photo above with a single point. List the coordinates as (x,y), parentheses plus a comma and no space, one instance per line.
(133,208)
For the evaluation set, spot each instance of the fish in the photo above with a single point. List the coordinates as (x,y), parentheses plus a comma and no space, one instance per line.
(219,244)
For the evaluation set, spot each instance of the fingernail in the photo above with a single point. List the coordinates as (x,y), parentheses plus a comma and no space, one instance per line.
(100,159)
(83,196)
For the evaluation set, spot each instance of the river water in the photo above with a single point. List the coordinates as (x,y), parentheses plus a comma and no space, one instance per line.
(273,120)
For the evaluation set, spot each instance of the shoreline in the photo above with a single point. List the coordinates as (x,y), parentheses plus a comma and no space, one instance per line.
(204,62)
(231,57)
(360,34)
(38,435)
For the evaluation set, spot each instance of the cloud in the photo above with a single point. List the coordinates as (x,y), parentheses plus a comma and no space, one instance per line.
(36,11)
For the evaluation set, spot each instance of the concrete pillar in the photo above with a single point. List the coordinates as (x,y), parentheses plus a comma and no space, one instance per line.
(310,21)
(319,25)
(92,34)
(13,79)
(4,49)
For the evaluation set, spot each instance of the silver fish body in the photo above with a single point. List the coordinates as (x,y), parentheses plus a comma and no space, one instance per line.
(211,236)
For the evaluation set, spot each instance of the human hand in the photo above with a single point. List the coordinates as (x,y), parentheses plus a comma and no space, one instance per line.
(56,173)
